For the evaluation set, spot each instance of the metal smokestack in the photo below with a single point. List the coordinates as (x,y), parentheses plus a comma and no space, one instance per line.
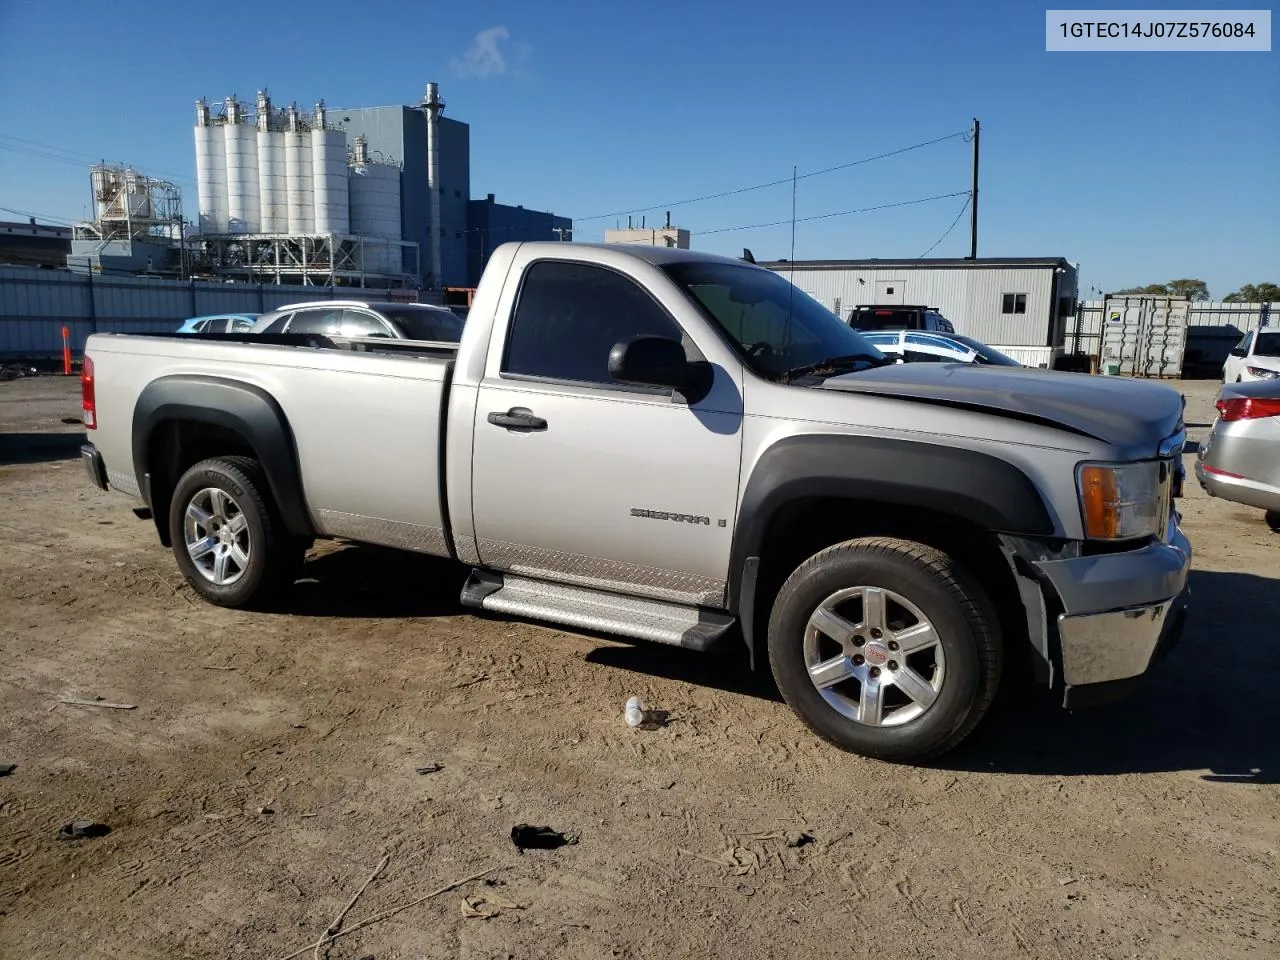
(432,103)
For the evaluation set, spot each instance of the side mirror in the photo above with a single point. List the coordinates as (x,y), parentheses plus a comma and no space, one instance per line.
(660,362)
(1237,352)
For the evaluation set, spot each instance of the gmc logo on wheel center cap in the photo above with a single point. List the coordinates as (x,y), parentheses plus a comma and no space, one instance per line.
(876,654)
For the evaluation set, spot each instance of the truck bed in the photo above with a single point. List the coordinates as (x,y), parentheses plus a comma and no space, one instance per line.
(370,462)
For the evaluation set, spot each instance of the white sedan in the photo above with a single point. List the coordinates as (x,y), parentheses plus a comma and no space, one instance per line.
(915,346)
(1256,357)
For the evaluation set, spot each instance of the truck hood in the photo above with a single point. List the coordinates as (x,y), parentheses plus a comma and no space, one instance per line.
(1133,415)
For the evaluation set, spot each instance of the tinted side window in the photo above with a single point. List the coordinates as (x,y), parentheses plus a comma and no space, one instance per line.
(570,315)
(240,325)
(327,320)
(357,323)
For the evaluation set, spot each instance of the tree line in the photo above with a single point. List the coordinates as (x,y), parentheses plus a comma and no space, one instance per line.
(1199,290)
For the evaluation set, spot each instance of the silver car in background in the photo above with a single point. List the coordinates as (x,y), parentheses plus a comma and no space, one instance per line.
(1240,459)
(360,319)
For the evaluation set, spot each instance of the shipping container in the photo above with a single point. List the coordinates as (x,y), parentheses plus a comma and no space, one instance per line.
(1143,336)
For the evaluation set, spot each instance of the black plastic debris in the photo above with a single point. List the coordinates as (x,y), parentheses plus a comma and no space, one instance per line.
(428,768)
(799,838)
(7,768)
(82,830)
(528,837)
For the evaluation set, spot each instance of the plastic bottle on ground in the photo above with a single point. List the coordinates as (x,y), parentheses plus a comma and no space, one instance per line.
(634,712)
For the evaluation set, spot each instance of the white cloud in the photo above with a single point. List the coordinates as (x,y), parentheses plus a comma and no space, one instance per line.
(484,57)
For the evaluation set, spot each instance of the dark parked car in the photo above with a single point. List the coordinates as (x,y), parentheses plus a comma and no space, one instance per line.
(899,317)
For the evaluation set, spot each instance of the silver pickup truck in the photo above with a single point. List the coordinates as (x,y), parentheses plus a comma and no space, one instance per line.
(676,447)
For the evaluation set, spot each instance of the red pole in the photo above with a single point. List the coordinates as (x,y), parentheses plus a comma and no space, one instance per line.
(66,352)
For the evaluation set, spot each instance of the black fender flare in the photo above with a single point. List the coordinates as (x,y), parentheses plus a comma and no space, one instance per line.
(243,408)
(980,488)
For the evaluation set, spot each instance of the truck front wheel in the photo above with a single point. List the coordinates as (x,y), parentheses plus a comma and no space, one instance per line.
(227,536)
(885,648)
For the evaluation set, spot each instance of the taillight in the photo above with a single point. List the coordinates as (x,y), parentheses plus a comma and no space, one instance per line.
(1248,408)
(87,400)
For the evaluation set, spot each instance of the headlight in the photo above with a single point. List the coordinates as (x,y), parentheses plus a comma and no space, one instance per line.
(1262,373)
(1121,501)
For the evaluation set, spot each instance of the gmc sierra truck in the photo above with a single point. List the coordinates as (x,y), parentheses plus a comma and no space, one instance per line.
(676,447)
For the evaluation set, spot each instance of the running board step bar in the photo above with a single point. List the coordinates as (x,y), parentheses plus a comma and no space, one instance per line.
(669,623)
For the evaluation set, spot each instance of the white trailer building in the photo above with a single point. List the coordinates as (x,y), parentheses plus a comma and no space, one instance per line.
(1021,305)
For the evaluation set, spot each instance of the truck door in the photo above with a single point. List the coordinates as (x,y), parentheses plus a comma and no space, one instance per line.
(580,479)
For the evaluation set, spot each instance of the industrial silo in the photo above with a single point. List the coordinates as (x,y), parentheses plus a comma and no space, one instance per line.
(329,177)
(241,150)
(375,210)
(211,172)
(272,209)
(299,200)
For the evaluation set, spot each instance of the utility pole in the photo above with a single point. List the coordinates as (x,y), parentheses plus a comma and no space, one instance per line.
(973,196)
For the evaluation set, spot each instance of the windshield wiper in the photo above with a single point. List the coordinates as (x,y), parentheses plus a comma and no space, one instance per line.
(829,365)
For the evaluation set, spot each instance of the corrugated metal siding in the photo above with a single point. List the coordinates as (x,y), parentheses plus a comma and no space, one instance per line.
(1031,356)
(970,298)
(35,304)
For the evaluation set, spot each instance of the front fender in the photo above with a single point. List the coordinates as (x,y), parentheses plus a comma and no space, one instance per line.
(978,488)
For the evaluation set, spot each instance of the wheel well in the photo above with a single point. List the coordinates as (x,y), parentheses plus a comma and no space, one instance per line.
(804,527)
(173,448)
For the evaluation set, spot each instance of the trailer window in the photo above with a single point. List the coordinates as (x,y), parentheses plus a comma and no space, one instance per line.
(1014,303)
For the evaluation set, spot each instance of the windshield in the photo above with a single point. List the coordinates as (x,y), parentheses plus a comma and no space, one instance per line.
(425,323)
(1268,345)
(986,354)
(777,327)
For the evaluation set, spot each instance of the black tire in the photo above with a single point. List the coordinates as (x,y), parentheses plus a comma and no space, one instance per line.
(274,555)
(1273,520)
(962,617)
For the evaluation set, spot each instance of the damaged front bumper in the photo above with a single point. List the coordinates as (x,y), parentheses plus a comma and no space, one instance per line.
(1118,612)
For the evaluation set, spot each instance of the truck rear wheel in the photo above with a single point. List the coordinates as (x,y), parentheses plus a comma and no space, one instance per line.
(885,648)
(227,536)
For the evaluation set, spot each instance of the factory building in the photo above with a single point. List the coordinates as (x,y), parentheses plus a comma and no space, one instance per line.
(347,195)
(32,244)
(400,135)
(667,236)
(1022,305)
(491,224)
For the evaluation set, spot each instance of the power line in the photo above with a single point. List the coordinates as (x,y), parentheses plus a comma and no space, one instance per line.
(38,216)
(775,183)
(963,208)
(73,158)
(838,213)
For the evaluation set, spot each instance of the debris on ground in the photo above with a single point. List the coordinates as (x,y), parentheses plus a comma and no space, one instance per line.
(528,837)
(99,702)
(83,830)
(7,768)
(429,768)
(799,838)
(487,905)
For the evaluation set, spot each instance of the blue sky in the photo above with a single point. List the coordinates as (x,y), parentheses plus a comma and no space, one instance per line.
(1142,167)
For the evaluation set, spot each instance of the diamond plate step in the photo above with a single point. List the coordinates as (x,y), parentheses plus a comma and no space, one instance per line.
(669,623)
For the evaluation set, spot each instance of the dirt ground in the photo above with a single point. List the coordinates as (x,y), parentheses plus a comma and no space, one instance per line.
(270,765)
